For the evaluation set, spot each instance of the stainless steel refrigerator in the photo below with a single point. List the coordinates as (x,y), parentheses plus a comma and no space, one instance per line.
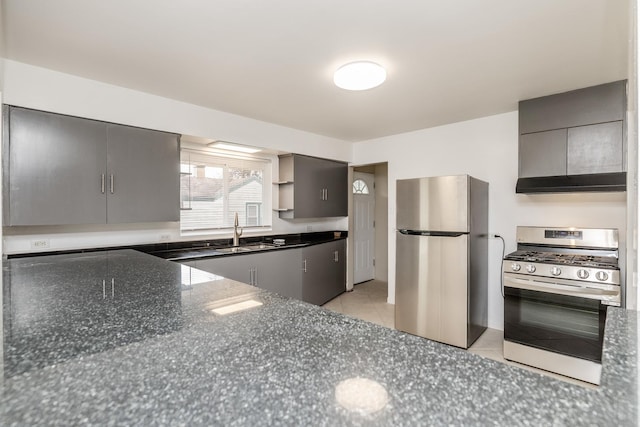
(441,258)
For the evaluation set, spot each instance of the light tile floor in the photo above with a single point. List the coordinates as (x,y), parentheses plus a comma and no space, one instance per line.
(368,301)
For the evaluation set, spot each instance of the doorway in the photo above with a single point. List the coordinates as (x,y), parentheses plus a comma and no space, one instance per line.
(364,201)
(369,224)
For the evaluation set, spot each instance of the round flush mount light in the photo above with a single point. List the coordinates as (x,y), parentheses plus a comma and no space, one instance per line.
(359,75)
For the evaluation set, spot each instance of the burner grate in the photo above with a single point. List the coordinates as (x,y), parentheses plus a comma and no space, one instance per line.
(564,259)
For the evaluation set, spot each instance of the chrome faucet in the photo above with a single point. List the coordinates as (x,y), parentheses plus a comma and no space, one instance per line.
(236,235)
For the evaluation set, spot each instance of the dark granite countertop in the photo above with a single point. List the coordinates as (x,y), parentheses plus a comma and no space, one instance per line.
(197,249)
(184,251)
(152,352)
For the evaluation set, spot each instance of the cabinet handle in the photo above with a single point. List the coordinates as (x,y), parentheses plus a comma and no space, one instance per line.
(304,268)
(255,276)
(335,256)
(104,289)
(112,287)
(326,194)
(111,183)
(102,184)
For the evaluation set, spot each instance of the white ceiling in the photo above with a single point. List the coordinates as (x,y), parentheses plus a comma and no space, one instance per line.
(447,60)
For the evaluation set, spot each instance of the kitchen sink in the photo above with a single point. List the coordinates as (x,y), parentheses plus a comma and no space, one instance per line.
(245,248)
(233,250)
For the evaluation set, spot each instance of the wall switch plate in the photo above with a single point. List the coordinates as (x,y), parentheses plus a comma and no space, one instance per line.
(165,237)
(40,244)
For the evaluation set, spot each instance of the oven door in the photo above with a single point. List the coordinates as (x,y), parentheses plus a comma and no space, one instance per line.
(556,316)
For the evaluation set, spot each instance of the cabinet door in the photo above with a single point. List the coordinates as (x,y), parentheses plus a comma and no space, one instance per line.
(143,175)
(236,267)
(335,182)
(340,248)
(596,104)
(595,149)
(323,279)
(543,154)
(308,189)
(280,271)
(55,169)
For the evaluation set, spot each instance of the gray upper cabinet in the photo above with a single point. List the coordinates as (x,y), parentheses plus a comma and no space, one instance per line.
(596,104)
(543,154)
(53,169)
(312,187)
(573,141)
(144,168)
(63,170)
(595,149)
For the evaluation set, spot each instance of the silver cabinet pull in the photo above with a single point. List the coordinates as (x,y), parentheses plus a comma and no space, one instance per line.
(335,256)
(255,276)
(111,182)
(326,194)
(304,268)
(104,289)
(102,184)
(112,287)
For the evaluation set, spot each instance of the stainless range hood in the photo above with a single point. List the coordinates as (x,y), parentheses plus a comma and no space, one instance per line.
(601,182)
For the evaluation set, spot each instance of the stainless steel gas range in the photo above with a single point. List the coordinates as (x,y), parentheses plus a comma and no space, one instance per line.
(557,286)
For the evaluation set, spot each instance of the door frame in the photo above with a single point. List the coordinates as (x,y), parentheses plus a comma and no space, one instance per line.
(381,176)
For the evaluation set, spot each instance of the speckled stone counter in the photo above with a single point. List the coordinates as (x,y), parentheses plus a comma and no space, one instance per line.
(152,352)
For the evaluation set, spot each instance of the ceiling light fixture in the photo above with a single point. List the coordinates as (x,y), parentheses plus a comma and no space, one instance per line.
(231,146)
(359,75)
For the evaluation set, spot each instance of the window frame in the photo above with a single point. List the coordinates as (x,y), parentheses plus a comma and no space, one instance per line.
(191,155)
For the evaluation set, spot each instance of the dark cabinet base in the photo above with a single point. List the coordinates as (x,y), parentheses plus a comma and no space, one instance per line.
(605,182)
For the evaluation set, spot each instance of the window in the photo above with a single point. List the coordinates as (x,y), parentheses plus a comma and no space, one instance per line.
(253,213)
(360,187)
(213,188)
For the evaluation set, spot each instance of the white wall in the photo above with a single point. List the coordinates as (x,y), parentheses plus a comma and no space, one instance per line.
(487,149)
(39,88)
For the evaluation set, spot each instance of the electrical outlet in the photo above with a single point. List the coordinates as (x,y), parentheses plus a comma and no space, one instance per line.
(40,244)
(309,228)
(165,237)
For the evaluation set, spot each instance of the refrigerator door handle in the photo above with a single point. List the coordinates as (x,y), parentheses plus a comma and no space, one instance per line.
(433,233)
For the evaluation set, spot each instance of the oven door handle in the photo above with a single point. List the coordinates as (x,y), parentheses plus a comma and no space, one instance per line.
(610,295)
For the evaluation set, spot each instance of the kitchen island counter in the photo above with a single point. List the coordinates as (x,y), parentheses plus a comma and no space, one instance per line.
(154,349)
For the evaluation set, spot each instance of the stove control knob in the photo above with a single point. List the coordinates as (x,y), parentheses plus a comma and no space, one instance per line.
(515,267)
(531,268)
(556,271)
(602,276)
(583,274)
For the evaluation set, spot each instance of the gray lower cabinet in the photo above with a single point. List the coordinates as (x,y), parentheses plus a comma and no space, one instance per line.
(315,274)
(324,268)
(277,271)
(63,170)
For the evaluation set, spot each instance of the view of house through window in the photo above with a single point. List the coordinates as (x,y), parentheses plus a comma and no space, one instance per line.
(213,188)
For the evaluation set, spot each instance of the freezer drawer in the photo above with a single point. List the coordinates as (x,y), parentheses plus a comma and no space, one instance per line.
(432,277)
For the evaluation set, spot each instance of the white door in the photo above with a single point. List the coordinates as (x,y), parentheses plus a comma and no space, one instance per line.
(364,231)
